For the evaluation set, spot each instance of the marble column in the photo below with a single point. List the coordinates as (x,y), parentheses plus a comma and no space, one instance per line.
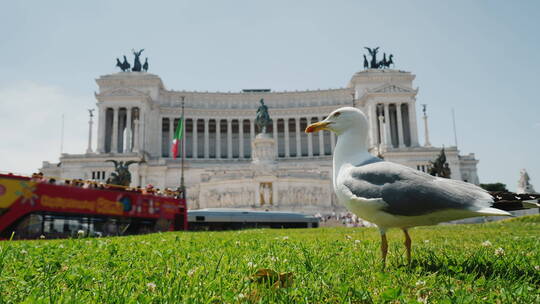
(90,123)
(240,138)
(298,141)
(252,129)
(136,135)
(127,140)
(383,133)
(388,135)
(183,146)
(218,138)
(309,140)
(229,138)
(426,134)
(114,140)
(287,139)
(412,124)
(321,140)
(251,135)
(373,124)
(102,120)
(142,131)
(206,139)
(275,133)
(400,126)
(171,137)
(195,138)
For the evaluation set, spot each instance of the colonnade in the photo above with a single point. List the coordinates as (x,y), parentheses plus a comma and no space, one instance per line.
(393,125)
(230,138)
(118,130)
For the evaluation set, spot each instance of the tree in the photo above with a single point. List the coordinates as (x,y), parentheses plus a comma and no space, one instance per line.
(494,187)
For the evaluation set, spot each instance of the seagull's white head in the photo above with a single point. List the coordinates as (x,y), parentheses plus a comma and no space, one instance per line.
(342,120)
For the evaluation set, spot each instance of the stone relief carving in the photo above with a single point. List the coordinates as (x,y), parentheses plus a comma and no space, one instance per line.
(230,198)
(304,195)
(123,92)
(193,197)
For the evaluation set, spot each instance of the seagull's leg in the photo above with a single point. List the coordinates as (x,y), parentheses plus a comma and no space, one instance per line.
(407,245)
(384,246)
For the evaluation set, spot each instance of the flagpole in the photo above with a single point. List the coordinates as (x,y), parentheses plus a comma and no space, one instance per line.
(182,186)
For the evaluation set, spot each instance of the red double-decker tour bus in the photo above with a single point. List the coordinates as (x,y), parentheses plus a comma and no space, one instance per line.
(31,209)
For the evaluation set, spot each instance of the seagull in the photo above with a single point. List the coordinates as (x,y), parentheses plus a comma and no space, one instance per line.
(391,195)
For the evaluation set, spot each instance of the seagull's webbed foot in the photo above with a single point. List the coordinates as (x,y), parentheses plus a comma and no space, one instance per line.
(384,248)
(407,245)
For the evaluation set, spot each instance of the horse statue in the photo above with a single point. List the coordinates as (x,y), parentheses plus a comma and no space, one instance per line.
(383,63)
(125,64)
(263,118)
(120,65)
(373,53)
(145,65)
(390,60)
(121,175)
(137,63)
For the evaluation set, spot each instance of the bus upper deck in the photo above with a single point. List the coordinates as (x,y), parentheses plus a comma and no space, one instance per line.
(31,209)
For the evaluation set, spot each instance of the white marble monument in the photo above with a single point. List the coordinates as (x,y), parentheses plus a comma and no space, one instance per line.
(227,165)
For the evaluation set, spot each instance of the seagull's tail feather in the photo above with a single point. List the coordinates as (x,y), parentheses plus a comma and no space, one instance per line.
(530,204)
(493,212)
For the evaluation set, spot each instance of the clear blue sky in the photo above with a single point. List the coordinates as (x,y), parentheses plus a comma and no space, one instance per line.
(479,57)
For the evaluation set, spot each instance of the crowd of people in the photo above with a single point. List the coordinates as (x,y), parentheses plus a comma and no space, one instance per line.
(346,219)
(91,184)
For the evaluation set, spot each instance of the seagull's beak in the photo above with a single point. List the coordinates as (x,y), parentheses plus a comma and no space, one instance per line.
(318,126)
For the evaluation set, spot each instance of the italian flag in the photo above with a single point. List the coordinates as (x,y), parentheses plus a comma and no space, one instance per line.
(178,137)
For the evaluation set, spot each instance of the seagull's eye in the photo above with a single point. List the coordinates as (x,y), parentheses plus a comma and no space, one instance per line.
(336,114)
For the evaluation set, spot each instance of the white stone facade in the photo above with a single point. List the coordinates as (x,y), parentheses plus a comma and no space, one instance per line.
(291,170)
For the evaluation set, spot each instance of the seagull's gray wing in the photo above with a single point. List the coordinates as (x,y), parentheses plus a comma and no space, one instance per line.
(410,192)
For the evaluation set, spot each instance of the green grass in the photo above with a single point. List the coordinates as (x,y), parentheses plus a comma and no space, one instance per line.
(331,265)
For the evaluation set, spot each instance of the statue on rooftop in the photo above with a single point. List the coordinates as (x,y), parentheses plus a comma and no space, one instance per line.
(137,63)
(373,52)
(366,63)
(391,60)
(263,118)
(125,65)
(374,64)
(145,65)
